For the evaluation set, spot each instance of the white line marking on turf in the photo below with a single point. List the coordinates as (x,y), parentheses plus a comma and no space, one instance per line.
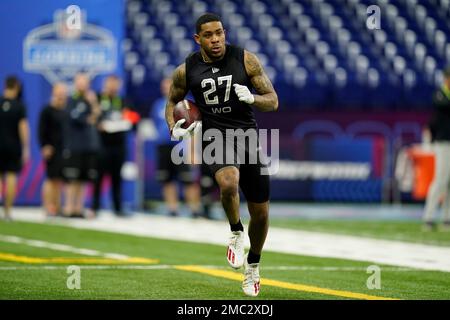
(61,247)
(307,243)
(165,266)
(91,267)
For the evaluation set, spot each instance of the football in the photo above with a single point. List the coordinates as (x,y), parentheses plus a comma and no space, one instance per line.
(186,109)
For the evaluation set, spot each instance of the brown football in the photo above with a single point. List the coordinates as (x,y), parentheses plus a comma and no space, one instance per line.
(186,109)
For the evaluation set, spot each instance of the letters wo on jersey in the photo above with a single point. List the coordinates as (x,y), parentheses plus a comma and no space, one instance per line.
(59,50)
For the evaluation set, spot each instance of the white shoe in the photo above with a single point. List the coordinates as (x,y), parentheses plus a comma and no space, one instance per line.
(235,251)
(251,284)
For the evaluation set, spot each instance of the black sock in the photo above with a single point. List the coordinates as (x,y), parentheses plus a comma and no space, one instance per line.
(237,227)
(253,257)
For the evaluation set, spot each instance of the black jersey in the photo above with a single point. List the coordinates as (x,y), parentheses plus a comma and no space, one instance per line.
(211,85)
(11,113)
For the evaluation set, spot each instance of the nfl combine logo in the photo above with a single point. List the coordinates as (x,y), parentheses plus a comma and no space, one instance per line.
(58,51)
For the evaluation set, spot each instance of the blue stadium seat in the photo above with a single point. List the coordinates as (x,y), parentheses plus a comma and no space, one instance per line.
(317,48)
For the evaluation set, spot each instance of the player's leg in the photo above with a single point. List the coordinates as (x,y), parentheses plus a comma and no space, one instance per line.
(10,192)
(256,187)
(228,180)
(257,228)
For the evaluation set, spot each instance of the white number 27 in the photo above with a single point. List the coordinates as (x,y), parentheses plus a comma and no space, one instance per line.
(212,83)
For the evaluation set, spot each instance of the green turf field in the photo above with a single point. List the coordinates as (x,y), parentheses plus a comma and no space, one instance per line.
(410,231)
(187,270)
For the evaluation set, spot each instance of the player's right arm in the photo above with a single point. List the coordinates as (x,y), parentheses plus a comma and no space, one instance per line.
(178,91)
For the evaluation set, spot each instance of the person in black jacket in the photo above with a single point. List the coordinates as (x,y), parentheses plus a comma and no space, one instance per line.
(51,124)
(440,131)
(81,144)
(14,141)
(113,143)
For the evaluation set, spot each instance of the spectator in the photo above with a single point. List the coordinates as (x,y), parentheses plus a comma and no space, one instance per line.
(51,140)
(113,143)
(81,144)
(14,141)
(167,171)
(440,132)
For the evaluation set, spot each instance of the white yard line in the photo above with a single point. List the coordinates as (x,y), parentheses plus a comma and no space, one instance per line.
(164,267)
(61,247)
(317,244)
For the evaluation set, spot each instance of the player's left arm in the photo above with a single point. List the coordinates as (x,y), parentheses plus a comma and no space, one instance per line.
(266,98)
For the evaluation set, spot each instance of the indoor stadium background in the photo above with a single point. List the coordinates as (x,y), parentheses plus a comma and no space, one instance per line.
(354,101)
(348,95)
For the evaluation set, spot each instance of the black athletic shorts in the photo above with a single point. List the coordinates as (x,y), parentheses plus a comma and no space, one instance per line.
(54,165)
(80,166)
(168,171)
(10,161)
(247,158)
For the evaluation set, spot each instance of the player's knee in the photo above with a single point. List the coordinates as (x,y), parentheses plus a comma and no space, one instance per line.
(229,189)
(228,181)
(259,213)
(229,186)
(261,216)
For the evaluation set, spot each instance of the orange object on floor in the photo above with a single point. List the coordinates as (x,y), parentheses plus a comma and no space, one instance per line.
(423,164)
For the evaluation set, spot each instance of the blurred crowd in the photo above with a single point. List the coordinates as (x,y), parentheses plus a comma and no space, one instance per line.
(83,138)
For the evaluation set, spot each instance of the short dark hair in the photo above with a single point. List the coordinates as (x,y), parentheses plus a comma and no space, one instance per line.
(12,82)
(447,72)
(205,18)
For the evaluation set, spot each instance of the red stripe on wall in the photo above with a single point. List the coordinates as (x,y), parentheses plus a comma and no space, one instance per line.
(35,183)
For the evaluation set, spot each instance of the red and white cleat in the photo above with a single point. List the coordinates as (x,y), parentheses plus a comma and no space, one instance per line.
(235,251)
(251,284)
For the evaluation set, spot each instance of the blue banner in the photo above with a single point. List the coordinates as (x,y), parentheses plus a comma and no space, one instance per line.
(40,48)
